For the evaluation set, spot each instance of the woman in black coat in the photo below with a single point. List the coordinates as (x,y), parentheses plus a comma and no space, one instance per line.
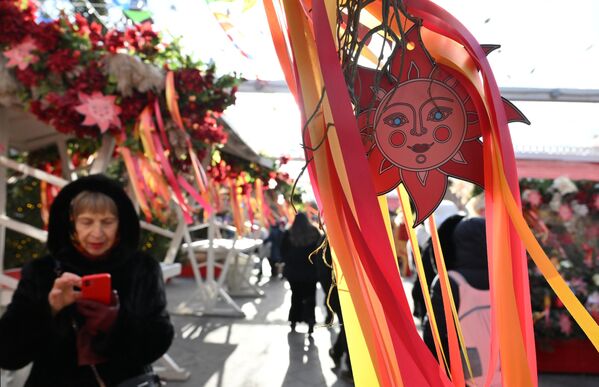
(297,245)
(93,228)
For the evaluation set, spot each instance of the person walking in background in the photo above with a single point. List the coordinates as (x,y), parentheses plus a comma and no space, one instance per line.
(274,240)
(296,246)
(469,280)
(74,341)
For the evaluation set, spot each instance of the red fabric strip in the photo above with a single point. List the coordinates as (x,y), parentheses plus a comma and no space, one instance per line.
(195,195)
(382,270)
(170,176)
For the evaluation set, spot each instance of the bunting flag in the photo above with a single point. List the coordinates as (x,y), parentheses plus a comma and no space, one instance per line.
(425,62)
(227,14)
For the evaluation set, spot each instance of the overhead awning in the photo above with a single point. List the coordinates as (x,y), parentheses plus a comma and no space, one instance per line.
(549,162)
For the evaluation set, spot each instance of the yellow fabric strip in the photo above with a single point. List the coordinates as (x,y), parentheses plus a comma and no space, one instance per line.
(360,336)
(514,363)
(449,305)
(362,366)
(557,283)
(385,212)
(409,219)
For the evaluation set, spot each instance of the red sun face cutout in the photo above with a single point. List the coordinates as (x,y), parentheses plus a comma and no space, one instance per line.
(420,125)
(424,133)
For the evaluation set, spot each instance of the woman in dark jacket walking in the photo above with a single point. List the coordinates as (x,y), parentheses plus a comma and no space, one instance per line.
(297,245)
(93,228)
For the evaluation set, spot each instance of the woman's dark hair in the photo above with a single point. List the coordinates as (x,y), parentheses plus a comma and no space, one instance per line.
(302,232)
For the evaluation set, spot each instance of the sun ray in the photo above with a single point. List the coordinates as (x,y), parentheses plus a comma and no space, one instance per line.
(489,48)
(384,180)
(427,199)
(472,168)
(458,158)
(513,113)
(414,71)
(365,84)
(422,176)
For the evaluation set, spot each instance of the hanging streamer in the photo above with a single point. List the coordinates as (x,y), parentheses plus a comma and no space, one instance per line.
(137,190)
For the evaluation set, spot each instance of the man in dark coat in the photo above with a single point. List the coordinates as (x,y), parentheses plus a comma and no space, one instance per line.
(80,342)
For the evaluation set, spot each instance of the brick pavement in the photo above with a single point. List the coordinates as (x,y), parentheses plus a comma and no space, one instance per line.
(256,351)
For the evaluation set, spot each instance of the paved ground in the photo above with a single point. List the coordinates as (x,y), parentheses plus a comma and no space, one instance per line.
(260,351)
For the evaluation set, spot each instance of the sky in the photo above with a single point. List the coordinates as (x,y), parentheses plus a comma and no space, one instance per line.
(544,44)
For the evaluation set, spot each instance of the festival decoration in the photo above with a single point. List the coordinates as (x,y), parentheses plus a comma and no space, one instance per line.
(565,219)
(21,55)
(420,125)
(58,63)
(99,110)
(87,81)
(319,44)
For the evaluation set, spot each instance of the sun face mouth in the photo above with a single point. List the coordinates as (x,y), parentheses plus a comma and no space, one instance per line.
(420,148)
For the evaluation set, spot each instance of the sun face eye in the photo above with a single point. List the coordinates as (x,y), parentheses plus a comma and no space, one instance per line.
(439,113)
(396,120)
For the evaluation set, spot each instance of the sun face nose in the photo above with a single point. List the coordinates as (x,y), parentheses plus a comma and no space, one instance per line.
(418,132)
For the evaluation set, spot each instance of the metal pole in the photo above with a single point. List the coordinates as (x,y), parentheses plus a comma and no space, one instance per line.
(210,255)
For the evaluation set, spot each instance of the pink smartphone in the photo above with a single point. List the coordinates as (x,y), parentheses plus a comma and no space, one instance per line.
(97,287)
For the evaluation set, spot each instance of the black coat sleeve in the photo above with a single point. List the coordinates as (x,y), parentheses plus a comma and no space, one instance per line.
(285,247)
(143,331)
(27,324)
(437,302)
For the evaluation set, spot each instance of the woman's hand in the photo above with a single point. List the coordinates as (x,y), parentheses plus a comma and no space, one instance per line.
(99,317)
(63,292)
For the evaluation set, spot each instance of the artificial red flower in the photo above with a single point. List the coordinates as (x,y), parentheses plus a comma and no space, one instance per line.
(28,77)
(565,212)
(189,80)
(15,24)
(113,40)
(91,79)
(82,24)
(62,61)
(131,107)
(47,35)
(284,176)
(565,324)
(35,107)
(142,38)
(95,34)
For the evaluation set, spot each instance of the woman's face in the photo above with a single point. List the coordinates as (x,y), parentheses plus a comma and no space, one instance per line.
(96,232)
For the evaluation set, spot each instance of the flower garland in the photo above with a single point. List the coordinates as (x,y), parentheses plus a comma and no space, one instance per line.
(86,81)
(564,215)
